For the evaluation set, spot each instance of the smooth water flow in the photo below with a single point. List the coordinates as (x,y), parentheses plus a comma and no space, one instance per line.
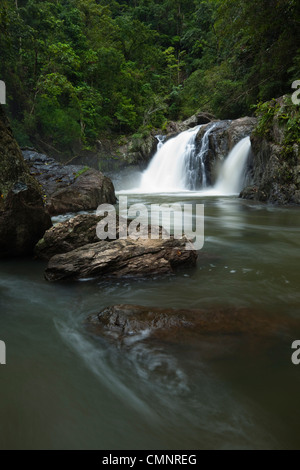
(167,170)
(179,166)
(63,388)
(196,167)
(232,173)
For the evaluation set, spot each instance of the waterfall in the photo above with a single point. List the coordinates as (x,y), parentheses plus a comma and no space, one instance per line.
(161,139)
(196,165)
(167,170)
(179,166)
(232,173)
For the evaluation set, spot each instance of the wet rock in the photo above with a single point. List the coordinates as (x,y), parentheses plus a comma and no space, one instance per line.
(197,120)
(125,321)
(139,150)
(122,258)
(275,163)
(71,234)
(223,137)
(23,218)
(67,236)
(69,188)
(81,230)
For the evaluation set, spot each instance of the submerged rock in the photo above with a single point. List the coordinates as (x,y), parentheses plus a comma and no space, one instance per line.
(121,258)
(69,188)
(124,321)
(23,218)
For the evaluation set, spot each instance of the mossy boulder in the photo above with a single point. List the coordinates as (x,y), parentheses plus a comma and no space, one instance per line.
(23,217)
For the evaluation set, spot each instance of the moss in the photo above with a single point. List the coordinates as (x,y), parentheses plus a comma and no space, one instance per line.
(265,113)
(82,171)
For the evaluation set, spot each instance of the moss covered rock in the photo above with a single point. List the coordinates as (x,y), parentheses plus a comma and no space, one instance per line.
(23,218)
(276,159)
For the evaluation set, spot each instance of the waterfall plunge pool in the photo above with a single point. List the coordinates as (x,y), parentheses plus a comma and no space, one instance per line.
(62,388)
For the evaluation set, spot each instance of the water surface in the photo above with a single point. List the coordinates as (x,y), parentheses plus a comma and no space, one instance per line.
(63,388)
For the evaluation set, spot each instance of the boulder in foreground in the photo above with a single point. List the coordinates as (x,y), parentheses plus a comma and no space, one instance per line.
(122,258)
(68,235)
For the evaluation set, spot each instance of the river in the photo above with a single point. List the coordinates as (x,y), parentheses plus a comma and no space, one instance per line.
(63,388)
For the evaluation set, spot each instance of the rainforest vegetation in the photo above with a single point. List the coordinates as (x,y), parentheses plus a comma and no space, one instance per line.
(79,69)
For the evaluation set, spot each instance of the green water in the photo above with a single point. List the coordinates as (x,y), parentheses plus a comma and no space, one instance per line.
(63,388)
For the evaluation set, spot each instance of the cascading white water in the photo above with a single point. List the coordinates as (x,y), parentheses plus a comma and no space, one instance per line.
(232,173)
(161,139)
(167,170)
(196,165)
(177,166)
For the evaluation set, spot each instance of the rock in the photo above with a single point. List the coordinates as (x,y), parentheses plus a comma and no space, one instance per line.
(196,120)
(175,127)
(69,235)
(69,188)
(23,218)
(140,150)
(275,158)
(223,137)
(121,258)
(124,321)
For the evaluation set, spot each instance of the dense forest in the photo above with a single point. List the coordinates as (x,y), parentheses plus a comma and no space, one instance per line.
(79,69)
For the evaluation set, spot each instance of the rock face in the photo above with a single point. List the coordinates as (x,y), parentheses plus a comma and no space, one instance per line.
(276,157)
(124,321)
(121,258)
(141,150)
(69,188)
(223,137)
(197,119)
(23,218)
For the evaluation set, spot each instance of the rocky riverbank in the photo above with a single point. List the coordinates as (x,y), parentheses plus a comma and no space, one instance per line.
(23,217)
(275,163)
(69,188)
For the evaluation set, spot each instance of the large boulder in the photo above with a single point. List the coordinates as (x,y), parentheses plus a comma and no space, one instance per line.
(68,235)
(122,258)
(275,155)
(23,218)
(71,234)
(69,188)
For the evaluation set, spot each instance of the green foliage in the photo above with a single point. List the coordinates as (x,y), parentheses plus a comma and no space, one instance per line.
(75,69)
(265,113)
(288,117)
